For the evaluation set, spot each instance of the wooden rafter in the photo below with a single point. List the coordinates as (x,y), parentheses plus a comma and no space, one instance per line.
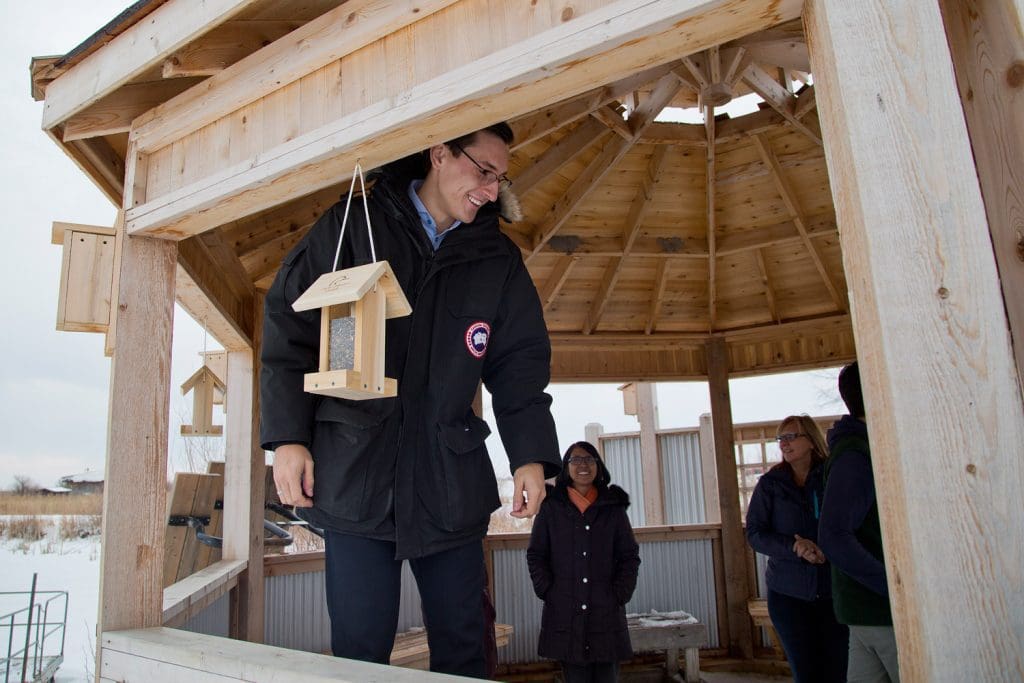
(540,123)
(557,155)
(796,213)
(736,60)
(660,283)
(681,134)
(557,278)
(805,102)
(612,150)
(709,127)
(821,225)
(603,294)
(643,116)
(115,112)
(642,200)
(611,117)
(223,46)
(769,292)
(777,97)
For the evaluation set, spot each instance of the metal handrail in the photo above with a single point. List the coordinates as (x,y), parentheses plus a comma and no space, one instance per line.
(38,631)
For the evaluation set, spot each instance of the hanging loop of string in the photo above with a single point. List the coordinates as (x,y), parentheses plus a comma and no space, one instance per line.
(356,173)
(204,340)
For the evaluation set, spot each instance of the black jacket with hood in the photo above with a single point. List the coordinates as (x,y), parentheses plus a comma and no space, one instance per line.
(413,469)
(584,567)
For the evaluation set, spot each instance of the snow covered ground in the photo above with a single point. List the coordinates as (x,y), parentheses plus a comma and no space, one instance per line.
(62,565)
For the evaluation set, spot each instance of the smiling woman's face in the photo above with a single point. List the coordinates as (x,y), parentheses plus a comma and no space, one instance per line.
(582,468)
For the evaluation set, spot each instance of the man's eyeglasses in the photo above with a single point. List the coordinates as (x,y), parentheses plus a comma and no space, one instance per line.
(789,436)
(581,460)
(485,173)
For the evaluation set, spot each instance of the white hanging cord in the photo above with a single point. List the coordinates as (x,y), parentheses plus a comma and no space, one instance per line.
(357,172)
(204,340)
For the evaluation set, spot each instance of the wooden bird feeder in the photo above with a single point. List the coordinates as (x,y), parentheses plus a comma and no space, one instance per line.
(204,385)
(354,302)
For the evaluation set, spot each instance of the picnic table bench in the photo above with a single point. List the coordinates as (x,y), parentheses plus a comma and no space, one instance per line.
(671,635)
(411,650)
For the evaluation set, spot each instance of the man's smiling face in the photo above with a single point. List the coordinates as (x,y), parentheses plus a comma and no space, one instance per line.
(462,185)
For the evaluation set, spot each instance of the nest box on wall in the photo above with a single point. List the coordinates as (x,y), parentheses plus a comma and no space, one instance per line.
(86,276)
(354,302)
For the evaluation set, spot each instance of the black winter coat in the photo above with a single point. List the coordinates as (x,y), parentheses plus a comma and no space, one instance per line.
(413,469)
(778,511)
(584,567)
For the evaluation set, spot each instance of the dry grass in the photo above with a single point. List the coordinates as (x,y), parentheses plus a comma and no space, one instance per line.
(22,504)
(26,528)
(80,526)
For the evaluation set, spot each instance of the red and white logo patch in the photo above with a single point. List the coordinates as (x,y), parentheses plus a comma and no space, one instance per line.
(477,336)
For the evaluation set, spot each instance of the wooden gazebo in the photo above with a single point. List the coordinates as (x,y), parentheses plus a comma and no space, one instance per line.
(871,207)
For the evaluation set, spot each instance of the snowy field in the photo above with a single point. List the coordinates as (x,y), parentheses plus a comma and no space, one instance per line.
(62,565)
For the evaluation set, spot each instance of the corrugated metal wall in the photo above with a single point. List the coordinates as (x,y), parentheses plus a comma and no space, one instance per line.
(682,482)
(622,457)
(296,612)
(674,575)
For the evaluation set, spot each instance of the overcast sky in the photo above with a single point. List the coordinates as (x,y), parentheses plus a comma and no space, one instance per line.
(54,385)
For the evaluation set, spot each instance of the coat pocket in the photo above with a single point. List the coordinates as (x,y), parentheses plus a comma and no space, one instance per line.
(351,465)
(470,487)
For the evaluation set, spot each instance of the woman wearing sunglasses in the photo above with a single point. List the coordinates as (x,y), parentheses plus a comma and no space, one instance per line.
(782,523)
(583,561)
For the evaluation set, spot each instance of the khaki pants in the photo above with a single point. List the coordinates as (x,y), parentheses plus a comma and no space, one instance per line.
(873,655)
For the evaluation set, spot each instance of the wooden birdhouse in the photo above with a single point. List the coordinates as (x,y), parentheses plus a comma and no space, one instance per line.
(217,361)
(354,302)
(86,276)
(204,385)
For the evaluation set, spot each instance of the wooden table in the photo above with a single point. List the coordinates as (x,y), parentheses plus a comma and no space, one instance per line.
(671,638)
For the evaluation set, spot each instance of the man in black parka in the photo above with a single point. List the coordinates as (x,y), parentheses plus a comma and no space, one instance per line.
(409,477)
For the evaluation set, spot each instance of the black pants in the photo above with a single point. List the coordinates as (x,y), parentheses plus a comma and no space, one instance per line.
(816,645)
(598,672)
(363,585)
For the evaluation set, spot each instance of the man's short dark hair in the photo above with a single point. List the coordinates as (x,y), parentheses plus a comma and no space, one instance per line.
(501,130)
(849,389)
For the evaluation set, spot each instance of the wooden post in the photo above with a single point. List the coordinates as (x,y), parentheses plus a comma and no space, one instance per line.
(244,494)
(650,462)
(709,472)
(943,404)
(592,432)
(737,588)
(986,40)
(135,489)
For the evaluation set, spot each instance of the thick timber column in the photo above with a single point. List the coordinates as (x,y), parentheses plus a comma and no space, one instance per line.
(737,588)
(943,401)
(244,490)
(986,40)
(135,486)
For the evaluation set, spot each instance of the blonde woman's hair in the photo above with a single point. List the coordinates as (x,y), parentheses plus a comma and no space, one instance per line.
(808,426)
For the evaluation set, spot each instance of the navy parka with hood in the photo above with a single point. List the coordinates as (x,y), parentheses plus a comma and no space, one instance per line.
(584,567)
(778,511)
(413,469)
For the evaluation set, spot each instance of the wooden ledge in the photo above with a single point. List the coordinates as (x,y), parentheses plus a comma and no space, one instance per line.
(166,654)
(193,594)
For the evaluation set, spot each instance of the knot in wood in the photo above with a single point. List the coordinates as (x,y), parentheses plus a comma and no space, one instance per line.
(943,293)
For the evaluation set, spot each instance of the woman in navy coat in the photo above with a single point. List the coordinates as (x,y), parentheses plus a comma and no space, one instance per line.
(782,523)
(584,561)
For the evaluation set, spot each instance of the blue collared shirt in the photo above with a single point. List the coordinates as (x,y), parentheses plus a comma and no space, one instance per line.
(428,222)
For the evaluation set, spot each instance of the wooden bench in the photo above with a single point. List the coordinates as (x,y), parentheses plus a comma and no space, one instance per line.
(411,649)
(671,638)
(758,609)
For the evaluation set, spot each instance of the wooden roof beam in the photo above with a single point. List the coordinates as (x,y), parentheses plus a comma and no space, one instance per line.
(132,53)
(777,97)
(640,203)
(203,291)
(681,134)
(607,247)
(558,155)
(798,217)
(536,125)
(327,38)
(604,44)
(611,117)
(769,292)
(604,291)
(654,309)
(709,167)
(643,116)
(557,278)
(231,42)
(115,112)
(805,102)
(821,225)
(613,149)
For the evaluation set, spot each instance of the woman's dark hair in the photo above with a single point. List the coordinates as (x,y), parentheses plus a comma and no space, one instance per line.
(603,477)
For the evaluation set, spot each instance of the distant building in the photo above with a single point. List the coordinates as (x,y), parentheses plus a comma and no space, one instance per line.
(54,491)
(89,481)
